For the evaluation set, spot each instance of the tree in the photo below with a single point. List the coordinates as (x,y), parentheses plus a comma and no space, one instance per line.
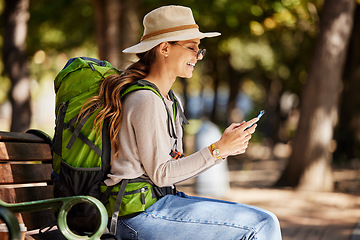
(16,16)
(309,166)
(348,130)
(117,27)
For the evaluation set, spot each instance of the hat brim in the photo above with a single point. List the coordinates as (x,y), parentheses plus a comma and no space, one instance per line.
(149,44)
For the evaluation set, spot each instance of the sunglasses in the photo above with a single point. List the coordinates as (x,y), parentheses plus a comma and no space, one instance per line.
(199,54)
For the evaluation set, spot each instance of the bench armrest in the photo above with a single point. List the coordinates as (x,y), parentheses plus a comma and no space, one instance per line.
(65,204)
(11,223)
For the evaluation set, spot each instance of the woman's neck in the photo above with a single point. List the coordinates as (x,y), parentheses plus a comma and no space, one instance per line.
(162,80)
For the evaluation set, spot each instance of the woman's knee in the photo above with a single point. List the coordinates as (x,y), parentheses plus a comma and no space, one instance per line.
(273,218)
(269,226)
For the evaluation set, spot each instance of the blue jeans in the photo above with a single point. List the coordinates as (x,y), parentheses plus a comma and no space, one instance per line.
(185,217)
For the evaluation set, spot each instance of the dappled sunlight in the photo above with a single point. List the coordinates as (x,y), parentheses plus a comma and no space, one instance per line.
(285,17)
(324,131)
(254,91)
(269,23)
(21,91)
(5,116)
(21,31)
(39,57)
(44,109)
(247,53)
(256,28)
(337,43)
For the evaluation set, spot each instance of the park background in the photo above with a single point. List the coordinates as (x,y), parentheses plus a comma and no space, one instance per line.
(298,60)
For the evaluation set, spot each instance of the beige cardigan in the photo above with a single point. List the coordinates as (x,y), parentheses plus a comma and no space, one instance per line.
(145,144)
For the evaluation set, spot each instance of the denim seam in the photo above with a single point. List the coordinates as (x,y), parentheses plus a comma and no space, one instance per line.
(202,222)
(132,229)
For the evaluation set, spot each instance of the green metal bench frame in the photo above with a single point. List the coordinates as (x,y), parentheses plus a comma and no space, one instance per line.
(11,223)
(65,204)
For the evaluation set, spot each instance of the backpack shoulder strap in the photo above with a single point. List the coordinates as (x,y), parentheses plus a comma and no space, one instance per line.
(143,84)
(146,85)
(177,108)
(106,147)
(140,85)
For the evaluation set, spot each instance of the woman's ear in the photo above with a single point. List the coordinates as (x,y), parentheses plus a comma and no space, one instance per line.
(164,49)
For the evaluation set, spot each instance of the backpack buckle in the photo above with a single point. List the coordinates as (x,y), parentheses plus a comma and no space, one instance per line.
(175,154)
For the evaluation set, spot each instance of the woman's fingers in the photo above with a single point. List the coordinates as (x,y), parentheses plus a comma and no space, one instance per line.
(249,125)
(236,137)
(251,130)
(246,139)
(234,126)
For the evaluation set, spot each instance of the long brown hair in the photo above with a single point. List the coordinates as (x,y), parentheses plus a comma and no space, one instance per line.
(108,99)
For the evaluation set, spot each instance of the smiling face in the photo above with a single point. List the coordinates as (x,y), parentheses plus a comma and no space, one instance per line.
(183,57)
(171,60)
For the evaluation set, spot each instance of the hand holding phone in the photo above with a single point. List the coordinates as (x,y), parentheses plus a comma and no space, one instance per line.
(258,116)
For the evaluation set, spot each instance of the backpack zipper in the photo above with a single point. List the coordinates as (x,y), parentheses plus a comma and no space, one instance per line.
(143,195)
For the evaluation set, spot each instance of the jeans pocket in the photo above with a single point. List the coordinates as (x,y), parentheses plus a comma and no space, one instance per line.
(125,232)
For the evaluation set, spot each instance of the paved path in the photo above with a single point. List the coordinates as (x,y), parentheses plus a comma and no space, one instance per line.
(302,215)
(307,216)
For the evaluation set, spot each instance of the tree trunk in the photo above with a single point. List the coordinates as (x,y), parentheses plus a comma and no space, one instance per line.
(234,81)
(213,115)
(117,27)
(309,166)
(348,130)
(271,127)
(16,16)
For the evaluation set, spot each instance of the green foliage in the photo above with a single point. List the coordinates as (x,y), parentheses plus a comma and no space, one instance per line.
(273,37)
(58,30)
(60,25)
(262,40)
(267,40)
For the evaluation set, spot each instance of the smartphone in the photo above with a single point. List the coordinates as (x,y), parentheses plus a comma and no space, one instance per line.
(258,116)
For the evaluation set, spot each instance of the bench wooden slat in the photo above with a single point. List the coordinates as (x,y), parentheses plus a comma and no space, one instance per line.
(16,151)
(32,220)
(27,194)
(19,137)
(24,173)
(8,195)
(38,219)
(25,176)
(35,220)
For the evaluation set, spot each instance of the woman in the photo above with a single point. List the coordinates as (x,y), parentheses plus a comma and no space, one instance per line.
(140,138)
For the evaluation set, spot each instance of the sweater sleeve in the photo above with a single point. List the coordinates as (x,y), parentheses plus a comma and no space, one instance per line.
(148,118)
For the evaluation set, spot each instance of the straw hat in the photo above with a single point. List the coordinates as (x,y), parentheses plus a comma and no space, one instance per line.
(168,23)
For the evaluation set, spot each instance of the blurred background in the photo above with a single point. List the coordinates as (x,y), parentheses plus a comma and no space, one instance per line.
(299,60)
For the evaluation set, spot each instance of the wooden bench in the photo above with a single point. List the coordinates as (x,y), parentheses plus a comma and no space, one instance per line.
(26,187)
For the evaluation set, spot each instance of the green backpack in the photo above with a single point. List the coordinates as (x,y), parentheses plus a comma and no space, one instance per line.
(81,157)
